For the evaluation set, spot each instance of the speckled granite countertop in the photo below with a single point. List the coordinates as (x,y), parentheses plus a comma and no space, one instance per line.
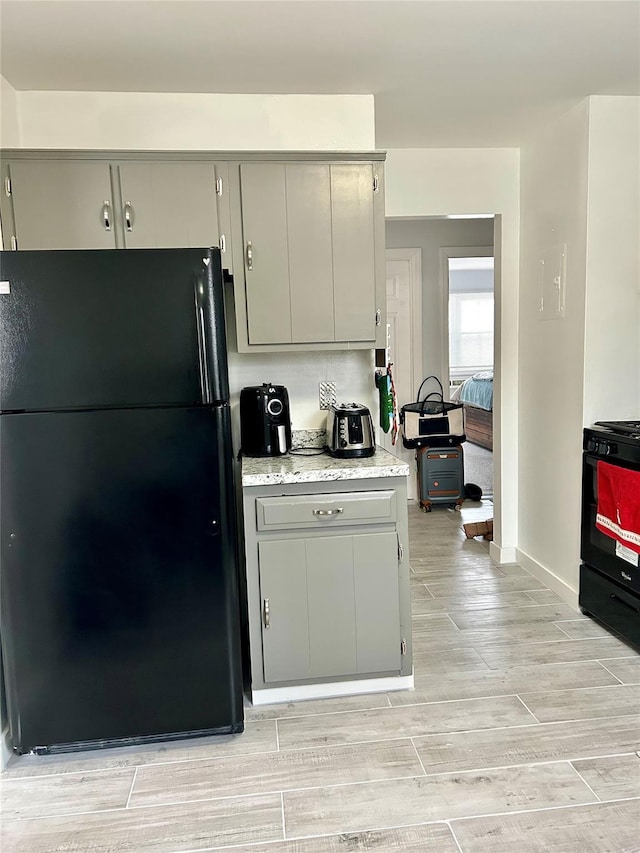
(275,470)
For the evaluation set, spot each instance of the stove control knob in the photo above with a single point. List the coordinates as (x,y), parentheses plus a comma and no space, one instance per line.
(591,445)
(607,448)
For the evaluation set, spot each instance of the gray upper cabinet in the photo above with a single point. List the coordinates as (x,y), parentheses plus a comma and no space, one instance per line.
(266,252)
(352,230)
(58,205)
(302,234)
(224,214)
(168,205)
(134,204)
(286,219)
(311,260)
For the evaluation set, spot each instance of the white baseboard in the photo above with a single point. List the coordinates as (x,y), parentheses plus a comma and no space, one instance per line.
(300,692)
(501,554)
(566,592)
(5,749)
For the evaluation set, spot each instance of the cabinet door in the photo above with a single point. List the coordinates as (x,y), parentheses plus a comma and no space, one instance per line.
(62,204)
(377,602)
(352,228)
(332,604)
(266,252)
(308,194)
(168,205)
(224,214)
(283,603)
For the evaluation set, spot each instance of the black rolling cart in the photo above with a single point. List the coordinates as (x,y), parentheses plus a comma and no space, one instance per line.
(434,427)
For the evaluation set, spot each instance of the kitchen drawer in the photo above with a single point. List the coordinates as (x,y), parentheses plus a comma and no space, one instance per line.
(322,511)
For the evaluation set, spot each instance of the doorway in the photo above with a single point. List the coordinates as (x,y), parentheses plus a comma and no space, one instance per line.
(468,315)
(435,239)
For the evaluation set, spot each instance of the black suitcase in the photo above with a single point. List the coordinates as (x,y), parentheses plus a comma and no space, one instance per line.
(440,476)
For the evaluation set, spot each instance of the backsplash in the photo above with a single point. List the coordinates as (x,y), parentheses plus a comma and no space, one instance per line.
(300,372)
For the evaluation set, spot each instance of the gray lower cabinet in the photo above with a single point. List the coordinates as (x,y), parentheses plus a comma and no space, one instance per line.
(310,265)
(330,606)
(328,595)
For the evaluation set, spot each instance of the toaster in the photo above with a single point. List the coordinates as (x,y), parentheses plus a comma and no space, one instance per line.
(350,432)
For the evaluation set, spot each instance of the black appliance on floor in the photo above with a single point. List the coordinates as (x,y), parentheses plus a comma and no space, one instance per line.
(609,573)
(120,613)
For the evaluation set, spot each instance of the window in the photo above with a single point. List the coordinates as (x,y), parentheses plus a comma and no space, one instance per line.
(470,317)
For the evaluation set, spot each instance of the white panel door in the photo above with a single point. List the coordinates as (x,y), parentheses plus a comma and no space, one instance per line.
(404,334)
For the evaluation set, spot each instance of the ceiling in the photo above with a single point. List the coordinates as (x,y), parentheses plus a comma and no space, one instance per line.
(445,73)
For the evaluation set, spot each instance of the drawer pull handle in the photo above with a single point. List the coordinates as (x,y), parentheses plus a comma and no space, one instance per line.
(624,603)
(266,613)
(338,511)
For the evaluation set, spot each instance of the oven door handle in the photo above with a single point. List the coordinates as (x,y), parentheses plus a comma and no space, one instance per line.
(619,600)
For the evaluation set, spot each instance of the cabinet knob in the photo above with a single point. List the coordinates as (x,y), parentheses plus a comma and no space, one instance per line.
(249,255)
(266,613)
(338,511)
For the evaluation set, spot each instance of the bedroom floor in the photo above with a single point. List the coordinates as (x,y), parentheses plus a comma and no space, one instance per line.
(478,467)
(522,733)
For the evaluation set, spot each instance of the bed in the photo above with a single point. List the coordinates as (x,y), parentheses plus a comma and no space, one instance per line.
(476,394)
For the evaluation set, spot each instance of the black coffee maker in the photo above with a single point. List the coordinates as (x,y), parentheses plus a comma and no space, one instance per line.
(265,425)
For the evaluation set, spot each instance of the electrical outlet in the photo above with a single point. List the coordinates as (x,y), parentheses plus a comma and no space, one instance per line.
(327,393)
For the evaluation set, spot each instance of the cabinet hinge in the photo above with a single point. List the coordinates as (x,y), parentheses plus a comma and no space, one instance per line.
(218,186)
(7,186)
(222,243)
(376,184)
(14,243)
(403,647)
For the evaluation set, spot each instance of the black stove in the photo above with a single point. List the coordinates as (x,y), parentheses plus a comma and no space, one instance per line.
(610,571)
(631,428)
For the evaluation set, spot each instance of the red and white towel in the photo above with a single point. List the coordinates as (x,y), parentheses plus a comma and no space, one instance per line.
(619,504)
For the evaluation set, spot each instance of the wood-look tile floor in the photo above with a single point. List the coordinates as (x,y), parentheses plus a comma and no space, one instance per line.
(522,734)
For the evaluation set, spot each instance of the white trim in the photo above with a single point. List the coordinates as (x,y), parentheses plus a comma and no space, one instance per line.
(447,252)
(502,554)
(328,690)
(414,257)
(558,585)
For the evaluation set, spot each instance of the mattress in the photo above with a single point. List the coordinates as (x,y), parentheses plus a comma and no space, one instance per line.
(478,390)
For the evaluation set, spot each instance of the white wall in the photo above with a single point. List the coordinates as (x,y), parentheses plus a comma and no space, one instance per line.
(431,235)
(554,171)
(436,182)
(9,127)
(580,188)
(612,324)
(165,121)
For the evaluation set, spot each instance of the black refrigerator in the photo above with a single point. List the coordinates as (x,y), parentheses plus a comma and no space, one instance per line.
(119,573)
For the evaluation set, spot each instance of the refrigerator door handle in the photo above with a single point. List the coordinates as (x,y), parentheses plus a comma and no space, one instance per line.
(205,384)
